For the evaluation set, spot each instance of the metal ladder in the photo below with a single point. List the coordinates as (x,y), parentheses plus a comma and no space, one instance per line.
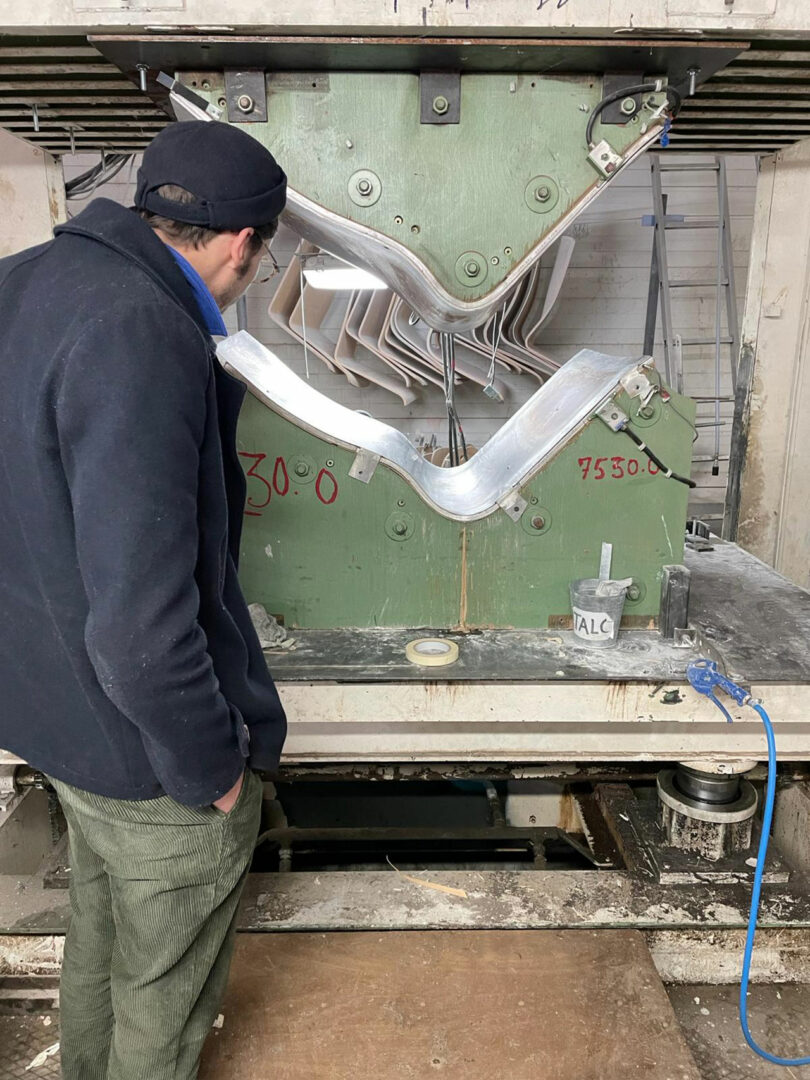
(660,296)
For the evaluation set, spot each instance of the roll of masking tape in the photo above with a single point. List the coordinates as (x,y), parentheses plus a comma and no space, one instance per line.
(431,652)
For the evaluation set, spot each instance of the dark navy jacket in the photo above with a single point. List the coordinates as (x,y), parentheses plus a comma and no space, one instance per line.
(128,663)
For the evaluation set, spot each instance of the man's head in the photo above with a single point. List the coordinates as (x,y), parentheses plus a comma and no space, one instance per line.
(214,193)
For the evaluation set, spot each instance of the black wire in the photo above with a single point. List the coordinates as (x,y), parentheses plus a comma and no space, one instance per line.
(99,174)
(657,460)
(673,97)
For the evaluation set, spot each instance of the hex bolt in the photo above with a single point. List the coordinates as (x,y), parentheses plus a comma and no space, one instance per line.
(633,592)
(440,105)
(538,522)
(400,528)
(364,186)
(472,269)
(542,194)
(646,412)
(301,469)
(628,106)
(245,103)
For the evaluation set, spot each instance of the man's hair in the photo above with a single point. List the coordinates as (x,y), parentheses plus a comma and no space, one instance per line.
(197,236)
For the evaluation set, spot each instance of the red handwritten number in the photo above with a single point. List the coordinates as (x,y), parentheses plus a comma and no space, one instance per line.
(585,464)
(257,460)
(652,468)
(599,468)
(281,469)
(617,472)
(319,485)
(632,467)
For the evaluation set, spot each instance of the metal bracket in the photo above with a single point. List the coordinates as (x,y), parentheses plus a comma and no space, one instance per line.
(364,466)
(186,104)
(605,159)
(246,96)
(619,112)
(513,504)
(674,611)
(439,97)
(636,384)
(613,416)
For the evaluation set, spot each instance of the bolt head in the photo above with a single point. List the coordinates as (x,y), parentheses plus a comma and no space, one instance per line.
(472,269)
(349,144)
(542,194)
(628,106)
(400,528)
(440,105)
(633,592)
(244,103)
(364,186)
(538,522)
(301,469)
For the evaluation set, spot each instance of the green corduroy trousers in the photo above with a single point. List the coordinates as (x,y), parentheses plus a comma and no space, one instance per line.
(154,891)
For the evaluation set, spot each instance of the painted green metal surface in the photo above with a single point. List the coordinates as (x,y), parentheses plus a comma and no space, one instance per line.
(451,193)
(324,550)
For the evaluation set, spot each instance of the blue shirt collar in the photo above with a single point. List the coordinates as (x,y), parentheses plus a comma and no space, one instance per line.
(212,316)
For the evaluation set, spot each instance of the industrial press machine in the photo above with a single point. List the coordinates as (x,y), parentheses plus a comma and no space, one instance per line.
(424,611)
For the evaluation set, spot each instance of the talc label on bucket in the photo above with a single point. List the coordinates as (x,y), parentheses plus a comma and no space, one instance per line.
(593,625)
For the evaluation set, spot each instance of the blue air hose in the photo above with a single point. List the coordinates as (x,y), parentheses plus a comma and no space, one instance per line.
(704,677)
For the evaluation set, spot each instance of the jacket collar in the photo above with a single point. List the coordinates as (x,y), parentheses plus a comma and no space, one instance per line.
(122,230)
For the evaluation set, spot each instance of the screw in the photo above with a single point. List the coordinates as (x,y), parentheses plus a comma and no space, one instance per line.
(538,522)
(472,269)
(414,228)
(400,528)
(301,469)
(245,103)
(542,194)
(349,144)
(634,592)
(206,85)
(692,73)
(142,70)
(494,260)
(605,157)
(440,105)
(364,186)
(628,106)
(583,108)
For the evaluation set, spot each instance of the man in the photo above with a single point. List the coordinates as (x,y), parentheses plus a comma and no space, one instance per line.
(130,671)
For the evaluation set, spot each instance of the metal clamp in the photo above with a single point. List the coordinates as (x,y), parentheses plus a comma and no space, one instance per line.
(513,504)
(605,159)
(364,466)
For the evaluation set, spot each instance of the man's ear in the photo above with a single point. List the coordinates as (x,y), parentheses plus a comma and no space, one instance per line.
(241,248)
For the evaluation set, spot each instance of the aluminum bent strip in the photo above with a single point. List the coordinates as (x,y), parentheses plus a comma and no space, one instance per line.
(473,490)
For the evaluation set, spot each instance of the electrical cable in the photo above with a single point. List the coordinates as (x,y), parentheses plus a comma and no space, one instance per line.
(83,186)
(703,676)
(657,461)
(673,97)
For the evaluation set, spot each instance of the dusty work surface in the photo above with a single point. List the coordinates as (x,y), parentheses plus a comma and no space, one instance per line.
(778,1015)
(570,1005)
(748,616)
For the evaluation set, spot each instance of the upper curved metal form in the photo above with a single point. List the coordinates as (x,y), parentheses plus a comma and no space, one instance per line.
(475,489)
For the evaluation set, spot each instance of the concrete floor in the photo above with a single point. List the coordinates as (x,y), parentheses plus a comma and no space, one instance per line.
(780,1022)
(780,1017)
